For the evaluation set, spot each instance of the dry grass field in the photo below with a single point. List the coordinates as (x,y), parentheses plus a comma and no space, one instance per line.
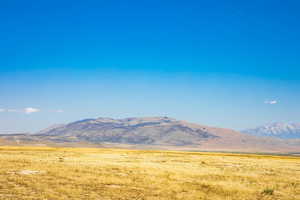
(89,173)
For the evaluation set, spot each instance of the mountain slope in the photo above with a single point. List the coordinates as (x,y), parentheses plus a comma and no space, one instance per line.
(148,131)
(279,130)
(162,132)
(151,133)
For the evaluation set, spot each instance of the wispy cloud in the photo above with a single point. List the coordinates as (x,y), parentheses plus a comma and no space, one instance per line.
(28,110)
(12,110)
(31,110)
(271,102)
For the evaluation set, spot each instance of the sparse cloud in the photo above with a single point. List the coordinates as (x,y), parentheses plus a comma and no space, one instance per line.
(59,111)
(271,102)
(31,110)
(28,110)
(12,110)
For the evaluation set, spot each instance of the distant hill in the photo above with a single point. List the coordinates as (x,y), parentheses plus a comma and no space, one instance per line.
(278,130)
(152,132)
(147,131)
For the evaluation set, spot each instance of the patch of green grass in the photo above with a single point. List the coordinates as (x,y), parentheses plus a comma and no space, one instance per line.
(268,191)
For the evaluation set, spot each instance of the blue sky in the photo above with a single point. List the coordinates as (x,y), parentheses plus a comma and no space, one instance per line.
(231,64)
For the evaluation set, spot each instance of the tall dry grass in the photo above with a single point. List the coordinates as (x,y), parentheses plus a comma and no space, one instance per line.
(86,173)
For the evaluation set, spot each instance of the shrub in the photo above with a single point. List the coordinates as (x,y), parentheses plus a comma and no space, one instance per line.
(268,191)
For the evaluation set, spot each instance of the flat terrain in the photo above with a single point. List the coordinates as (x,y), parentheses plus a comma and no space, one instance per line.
(90,173)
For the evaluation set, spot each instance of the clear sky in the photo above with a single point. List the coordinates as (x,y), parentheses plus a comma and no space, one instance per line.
(226,63)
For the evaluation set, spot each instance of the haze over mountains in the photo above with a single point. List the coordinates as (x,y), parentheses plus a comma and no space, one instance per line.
(155,132)
(279,130)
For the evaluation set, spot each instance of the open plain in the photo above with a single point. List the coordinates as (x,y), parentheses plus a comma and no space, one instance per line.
(90,173)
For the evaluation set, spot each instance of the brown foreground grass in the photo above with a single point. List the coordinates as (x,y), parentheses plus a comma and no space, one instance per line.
(87,173)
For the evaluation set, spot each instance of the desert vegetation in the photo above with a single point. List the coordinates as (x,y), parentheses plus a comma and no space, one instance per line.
(91,173)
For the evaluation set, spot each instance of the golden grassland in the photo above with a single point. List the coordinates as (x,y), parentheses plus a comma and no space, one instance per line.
(90,173)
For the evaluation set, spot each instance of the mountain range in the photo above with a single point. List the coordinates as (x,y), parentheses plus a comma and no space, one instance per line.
(279,130)
(151,132)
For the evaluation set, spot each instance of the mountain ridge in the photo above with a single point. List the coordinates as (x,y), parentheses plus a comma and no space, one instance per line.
(153,133)
(277,129)
(145,130)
